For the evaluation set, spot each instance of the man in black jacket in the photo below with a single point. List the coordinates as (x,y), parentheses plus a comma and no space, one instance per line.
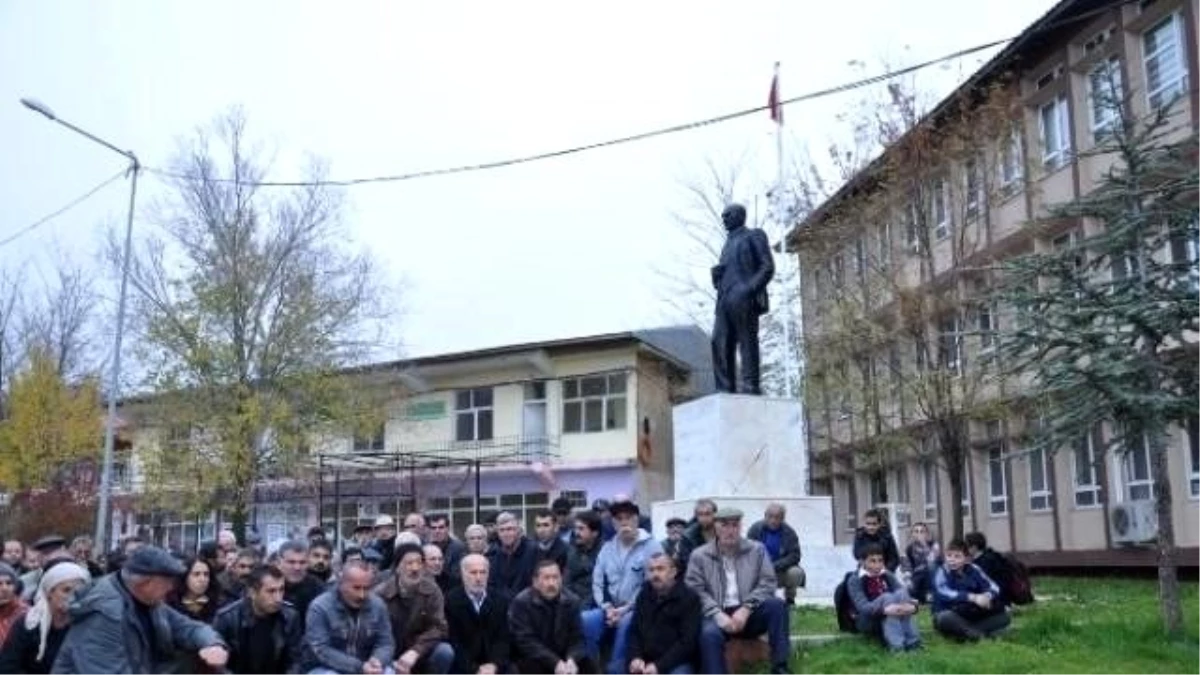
(783,545)
(478,621)
(701,531)
(873,531)
(581,558)
(547,630)
(264,633)
(549,546)
(513,558)
(300,588)
(666,622)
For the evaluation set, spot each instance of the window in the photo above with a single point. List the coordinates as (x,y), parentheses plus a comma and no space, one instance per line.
(1166,75)
(524,506)
(1056,132)
(885,246)
(837,270)
(1072,241)
(877,487)
(1012,161)
(593,404)
(929,488)
(1104,97)
(997,485)
(473,414)
(369,443)
(1185,257)
(912,233)
(1193,439)
(975,195)
(860,258)
(900,480)
(1135,471)
(949,344)
(578,498)
(1086,473)
(1041,497)
(939,210)
(985,322)
(966,488)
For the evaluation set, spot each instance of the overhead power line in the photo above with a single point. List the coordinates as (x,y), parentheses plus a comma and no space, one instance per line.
(75,202)
(484,166)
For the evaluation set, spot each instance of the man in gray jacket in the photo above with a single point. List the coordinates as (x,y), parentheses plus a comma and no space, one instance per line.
(121,624)
(348,630)
(783,545)
(617,579)
(735,580)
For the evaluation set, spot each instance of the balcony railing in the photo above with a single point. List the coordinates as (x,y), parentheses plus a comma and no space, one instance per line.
(493,451)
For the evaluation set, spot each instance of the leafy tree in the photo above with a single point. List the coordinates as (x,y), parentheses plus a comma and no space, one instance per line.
(1108,337)
(248,306)
(51,426)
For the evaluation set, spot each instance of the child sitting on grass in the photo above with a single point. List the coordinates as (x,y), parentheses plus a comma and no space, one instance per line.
(966,603)
(883,605)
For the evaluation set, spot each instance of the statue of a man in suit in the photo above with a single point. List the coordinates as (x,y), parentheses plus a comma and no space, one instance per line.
(741,279)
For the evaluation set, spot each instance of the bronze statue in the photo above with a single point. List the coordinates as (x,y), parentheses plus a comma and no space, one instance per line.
(741,279)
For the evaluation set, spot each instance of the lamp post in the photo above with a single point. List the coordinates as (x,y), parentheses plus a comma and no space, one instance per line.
(114,384)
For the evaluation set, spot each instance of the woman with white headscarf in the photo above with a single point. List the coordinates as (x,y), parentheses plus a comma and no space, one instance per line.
(33,643)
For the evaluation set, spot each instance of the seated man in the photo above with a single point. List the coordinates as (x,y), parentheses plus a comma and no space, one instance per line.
(478,621)
(883,605)
(348,630)
(417,614)
(616,581)
(262,631)
(735,580)
(547,634)
(875,531)
(966,603)
(666,622)
(783,545)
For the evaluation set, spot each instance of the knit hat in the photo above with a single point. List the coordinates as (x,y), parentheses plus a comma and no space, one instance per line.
(38,616)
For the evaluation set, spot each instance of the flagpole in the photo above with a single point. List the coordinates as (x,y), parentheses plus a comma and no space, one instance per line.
(781,217)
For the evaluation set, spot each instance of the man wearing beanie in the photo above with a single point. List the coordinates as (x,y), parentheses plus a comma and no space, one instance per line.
(12,607)
(121,623)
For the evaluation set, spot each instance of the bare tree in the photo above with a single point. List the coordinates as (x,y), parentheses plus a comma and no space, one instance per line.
(249,306)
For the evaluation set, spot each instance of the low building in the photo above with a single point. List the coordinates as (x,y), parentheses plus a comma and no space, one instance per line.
(519,425)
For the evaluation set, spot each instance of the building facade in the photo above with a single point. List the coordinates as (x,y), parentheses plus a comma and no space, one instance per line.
(868,270)
(519,426)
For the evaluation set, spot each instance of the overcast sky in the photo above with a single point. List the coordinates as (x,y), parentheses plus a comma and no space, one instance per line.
(557,248)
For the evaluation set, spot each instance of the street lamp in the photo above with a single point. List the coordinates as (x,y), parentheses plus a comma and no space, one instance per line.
(114,384)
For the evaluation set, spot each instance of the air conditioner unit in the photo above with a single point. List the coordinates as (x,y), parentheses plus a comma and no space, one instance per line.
(1133,522)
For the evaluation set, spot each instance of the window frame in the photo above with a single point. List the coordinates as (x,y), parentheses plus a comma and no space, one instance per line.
(997,502)
(1012,161)
(1125,468)
(477,412)
(1087,445)
(1046,492)
(1054,158)
(609,400)
(929,489)
(1191,447)
(1179,84)
(940,201)
(1111,67)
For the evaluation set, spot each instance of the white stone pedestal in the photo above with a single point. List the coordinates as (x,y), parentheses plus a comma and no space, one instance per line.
(746,452)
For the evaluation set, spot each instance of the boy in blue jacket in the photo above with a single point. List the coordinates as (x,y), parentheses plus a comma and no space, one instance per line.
(966,603)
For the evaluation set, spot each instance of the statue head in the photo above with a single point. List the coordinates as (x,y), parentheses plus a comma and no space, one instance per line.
(734,216)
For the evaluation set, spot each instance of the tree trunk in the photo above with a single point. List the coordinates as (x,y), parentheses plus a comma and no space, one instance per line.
(1168,573)
(237,520)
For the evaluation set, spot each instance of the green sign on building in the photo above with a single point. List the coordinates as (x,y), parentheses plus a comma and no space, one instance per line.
(425,410)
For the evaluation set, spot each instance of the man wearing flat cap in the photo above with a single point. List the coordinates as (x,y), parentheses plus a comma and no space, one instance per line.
(736,583)
(53,550)
(121,623)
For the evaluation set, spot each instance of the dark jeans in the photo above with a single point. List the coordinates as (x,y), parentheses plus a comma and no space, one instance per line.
(954,625)
(920,583)
(771,617)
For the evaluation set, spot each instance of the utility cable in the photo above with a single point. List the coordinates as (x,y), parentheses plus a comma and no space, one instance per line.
(76,202)
(470,168)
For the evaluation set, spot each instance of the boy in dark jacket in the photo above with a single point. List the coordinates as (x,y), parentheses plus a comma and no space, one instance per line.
(884,607)
(666,622)
(874,532)
(966,603)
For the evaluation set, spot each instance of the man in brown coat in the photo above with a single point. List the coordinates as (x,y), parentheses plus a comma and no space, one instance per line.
(417,612)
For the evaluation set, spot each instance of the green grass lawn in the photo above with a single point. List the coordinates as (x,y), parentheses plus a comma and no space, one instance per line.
(1093,625)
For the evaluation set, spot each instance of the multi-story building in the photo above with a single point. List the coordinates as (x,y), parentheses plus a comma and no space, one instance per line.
(895,264)
(517,426)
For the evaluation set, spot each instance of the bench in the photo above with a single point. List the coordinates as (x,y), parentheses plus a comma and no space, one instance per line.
(742,654)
